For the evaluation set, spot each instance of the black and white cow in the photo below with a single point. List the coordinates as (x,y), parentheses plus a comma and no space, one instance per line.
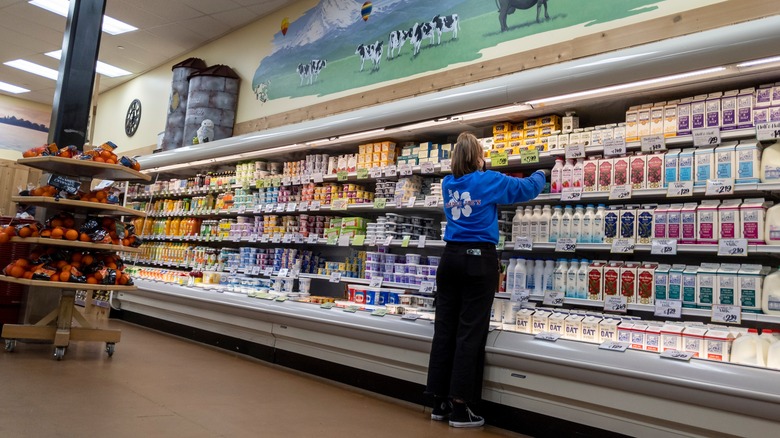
(370,52)
(447,23)
(315,67)
(418,33)
(304,71)
(396,41)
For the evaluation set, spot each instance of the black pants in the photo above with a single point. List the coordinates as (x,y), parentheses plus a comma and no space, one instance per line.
(466,284)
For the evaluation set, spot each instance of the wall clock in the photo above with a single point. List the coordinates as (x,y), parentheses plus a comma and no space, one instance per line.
(133,117)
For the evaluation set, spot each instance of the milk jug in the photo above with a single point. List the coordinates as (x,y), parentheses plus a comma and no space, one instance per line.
(559,276)
(517,223)
(556,177)
(598,225)
(536,218)
(548,274)
(510,275)
(770,298)
(772,225)
(576,223)
(520,274)
(587,224)
(555,224)
(571,279)
(544,224)
(566,220)
(770,163)
(748,349)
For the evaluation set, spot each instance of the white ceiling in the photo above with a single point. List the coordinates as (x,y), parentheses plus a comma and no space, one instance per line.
(166,30)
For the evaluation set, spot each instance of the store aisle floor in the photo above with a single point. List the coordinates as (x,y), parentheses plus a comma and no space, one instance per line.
(158,385)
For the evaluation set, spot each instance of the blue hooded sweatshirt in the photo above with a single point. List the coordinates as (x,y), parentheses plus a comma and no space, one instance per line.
(470,202)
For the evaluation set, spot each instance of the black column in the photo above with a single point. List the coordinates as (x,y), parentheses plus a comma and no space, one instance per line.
(71,107)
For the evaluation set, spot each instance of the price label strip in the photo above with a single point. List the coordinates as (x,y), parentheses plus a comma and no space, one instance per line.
(615,147)
(342,176)
(768,131)
(566,245)
(706,137)
(379,312)
(621,192)
(684,356)
(427,287)
(498,159)
(375,283)
(380,203)
(529,156)
(733,247)
(390,171)
(446,165)
(680,189)
(327,306)
(664,247)
(614,346)
(570,194)
(359,240)
(335,277)
(351,309)
(421,242)
(501,243)
(615,303)
(548,336)
(726,314)
(343,241)
(431,201)
(283,272)
(524,244)
(553,298)
(427,168)
(720,187)
(668,308)
(362,174)
(405,169)
(653,143)
(405,241)
(574,151)
(623,246)
(410,317)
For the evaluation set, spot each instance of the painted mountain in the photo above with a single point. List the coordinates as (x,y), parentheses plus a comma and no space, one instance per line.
(333,30)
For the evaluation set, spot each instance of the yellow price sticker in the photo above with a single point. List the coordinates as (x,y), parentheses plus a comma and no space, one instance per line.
(498,159)
(342,176)
(362,174)
(529,156)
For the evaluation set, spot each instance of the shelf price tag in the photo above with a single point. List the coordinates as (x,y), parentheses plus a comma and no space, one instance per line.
(498,159)
(359,240)
(446,165)
(342,175)
(553,298)
(287,238)
(421,242)
(379,312)
(614,147)
(241,209)
(313,238)
(390,171)
(296,180)
(269,271)
(664,247)
(411,202)
(375,172)
(733,247)
(327,306)
(380,203)
(720,187)
(339,204)
(351,309)
(427,168)
(726,314)
(236,238)
(362,174)
(574,151)
(314,206)
(316,177)
(501,243)
(548,336)
(679,189)
(335,277)
(291,206)
(529,156)
(410,317)
(614,346)
(431,201)
(298,237)
(332,239)
(405,169)
(268,208)
(615,303)
(571,194)
(344,240)
(375,283)
(621,192)
(405,241)
(303,206)
(256,270)
(684,356)
(706,137)
(768,131)
(286,181)
(668,308)
(283,272)
(623,246)
(566,245)
(388,241)
(281,299)
(653,143)
(524,244)
(277,238)
(264,238)
(427,287)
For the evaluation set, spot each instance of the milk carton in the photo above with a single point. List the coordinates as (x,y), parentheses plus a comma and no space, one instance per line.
(628,281)
(707,222)
(605,174)
(643,117)
(726,161)
(660,221)
(706,284)
(655,171)
(644,224)
(729,219)
(776,94)
(752,214)
(572,327)
(611,223)
(596,280)
(657,118)
(539,321)
(689,286)
(638,335)
(673,228)
(590,328)
(670,118)
(620,171)
(523,320)
(637,168)
(685,170)
(745,108)
(671,167)
(608,330)
(653,337)
(726,284)
(632,125)
(712,110)
(760,115)
(717,344)
(728,110)
(645,275)
(688,223)
(693,340)
(628,223)
(675,282)
(749,287)
(612,279)
(555,323)
(624,331)
(704,161)
(684,116)
(671,337)
(764,96)
(699,112)
(748,162)
(661,278)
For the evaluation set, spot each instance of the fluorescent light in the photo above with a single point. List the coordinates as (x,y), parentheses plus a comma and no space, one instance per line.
(625,86)
(504,110)
(759,61)
(28,66)
(101,67)
(4,86)
(61,7)
(361,134)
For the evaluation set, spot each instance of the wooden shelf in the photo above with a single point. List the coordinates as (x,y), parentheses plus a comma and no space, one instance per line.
(75,244)
(65,285)
(83,168)
(95,207)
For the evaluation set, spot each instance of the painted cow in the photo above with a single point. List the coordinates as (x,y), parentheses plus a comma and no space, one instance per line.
(396,41)
(315,68)
(508,7)
(447,23)
(304,71)
(418,33)
(370,52)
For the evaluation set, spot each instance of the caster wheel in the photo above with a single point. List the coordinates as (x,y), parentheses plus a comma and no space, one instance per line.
(59,352)
(110,349)
(10,345)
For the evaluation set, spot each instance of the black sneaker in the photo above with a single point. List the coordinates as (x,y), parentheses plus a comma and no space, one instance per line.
(462,416)
(441,409)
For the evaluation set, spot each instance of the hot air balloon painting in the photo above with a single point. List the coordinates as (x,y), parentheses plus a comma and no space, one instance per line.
(285,25)
(366,10)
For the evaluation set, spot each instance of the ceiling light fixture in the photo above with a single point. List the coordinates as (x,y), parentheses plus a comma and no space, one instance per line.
(501,111)
(101,67)
(759,61)
(60,7)
(30,67)
(4,86)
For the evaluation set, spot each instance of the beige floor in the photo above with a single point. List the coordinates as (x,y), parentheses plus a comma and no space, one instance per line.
(162,386)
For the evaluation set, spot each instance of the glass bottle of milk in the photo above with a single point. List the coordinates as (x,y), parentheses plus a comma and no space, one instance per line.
(536,218)
(555,224)
(544,224)
(517,223)
(566,220)
(582,279)
(571,279)
(559,276)
(587,224)
(598,225)
(576,223)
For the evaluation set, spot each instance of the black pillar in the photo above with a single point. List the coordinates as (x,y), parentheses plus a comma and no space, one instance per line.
(71,107)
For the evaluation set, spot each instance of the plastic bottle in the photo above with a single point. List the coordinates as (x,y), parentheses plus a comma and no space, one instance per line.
(525,222)
(548,274)
(598,225)
(510,275)
(772,225)
(544,224)
(770,163)
(517,223)
(773,356)
(576,223)
(566,174)
(578,174)
(530,280)
(587,224)
(559,276)
(555,176)
(555,224)
(520,274)
(770,298)
(566,220)
(571,278)
(582,279)
(536,218)
(539,280)
(748,349)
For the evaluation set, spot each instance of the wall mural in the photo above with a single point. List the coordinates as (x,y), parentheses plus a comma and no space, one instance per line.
(22,125)
(340,45)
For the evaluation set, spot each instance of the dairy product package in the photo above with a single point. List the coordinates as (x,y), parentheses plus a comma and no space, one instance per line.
(729,222)
(632,125)
(685,171)
(643,117)
(772,225)
(726,161)
(611,223)
(638,335)
(523,320)
(590,175)
(670,118)
(624,331)
(712,110)
(745,108)
(644,224)
(586,137)
(704,162)
(728,110)
(770,299)
(660,221)
(628,281)
(671,167)
(653,337)
(760,115)
(555,323)
(707,222)
(661,278)
(654,171)
(620,171)
(628,223)
(717,344)
(770,163)
(590,328)
(671,337)
(693,340)
(688,223)
(605,174)
(572,327)
(657,118)
(596,280)
(673,224)
(750,286)
(539,321)
(726,284)
(699,112)
(646,288)
(764,96)
(752,215)
(689,286)
(748,162)
(608,330)
(612,279)
(706,283)
(638,171)
(684,116)
(674,292)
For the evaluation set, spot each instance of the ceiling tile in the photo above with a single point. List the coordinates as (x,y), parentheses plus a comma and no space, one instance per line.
(171,11)
(237,17)
(177,35)
(208,27)
(210,6)
(266,7)
(131,14)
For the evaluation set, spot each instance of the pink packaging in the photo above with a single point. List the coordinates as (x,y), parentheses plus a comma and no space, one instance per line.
(707,222)
(730,225)
(605,174)
(673,230)
(655,171)
(660,221)
(752,214)
(638,169)
(590,175)
(620,171)
(688,223)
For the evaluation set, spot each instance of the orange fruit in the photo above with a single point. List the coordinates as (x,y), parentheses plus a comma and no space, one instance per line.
(76,257)
(91,280)
(68,222)
(46,233)
(28,275)
(104,154)
(111,161)
(101,195)
(123,279)
(60,264)
(37,192)
(56,222)
(98,276)
(125,242)
(65,268)
(25,232)
(87,260)
(136,166)
(71,234)
(84,237)
(11,231)
(57,233)
(93,199)
(64,276)
(98,160)
(4,238)
(22,263)
(16,271)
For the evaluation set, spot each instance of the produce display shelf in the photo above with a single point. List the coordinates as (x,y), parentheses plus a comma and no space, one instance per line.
(69,204)
(66,285)
(74,244)
(84,168)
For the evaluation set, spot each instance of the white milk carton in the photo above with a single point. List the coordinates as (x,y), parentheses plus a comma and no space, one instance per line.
(688,223)
(590,328)
(653,336)
(748,162)
(707,222)
(624,331)
(706,284)
(674,292)
(660,221)
(673,223)
(555,323)
(726,286)
(726,161)
(638,335)
(671,337)
(712,110)
(749,287)
(689,286)
(717,344)
(523,320)
(539,321)
(661,279)
(745,108)
(684,116)
(752,216)
(729,219)
(572,327)
(608,330)
(693,340)
(670,118)
(699,112)
(671,167)
(764,96)
(657,118)
(686,166)
(728,110)
(705,166)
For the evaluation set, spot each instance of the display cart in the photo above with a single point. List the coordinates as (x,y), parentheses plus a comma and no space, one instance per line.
(58,326)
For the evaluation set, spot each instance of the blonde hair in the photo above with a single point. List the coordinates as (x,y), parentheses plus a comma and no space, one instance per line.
(466,156)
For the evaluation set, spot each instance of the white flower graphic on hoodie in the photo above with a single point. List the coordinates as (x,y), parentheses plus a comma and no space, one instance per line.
(460,204)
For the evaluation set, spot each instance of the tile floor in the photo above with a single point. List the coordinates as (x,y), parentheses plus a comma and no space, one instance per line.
(158,385)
